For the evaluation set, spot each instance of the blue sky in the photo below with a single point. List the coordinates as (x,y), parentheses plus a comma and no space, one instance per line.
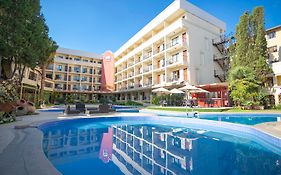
(100,25)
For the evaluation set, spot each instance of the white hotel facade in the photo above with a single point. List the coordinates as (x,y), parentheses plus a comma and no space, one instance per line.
(174,48)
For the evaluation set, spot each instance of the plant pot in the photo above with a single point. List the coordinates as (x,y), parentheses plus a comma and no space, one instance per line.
(20,111)
(21,102)
(30,107)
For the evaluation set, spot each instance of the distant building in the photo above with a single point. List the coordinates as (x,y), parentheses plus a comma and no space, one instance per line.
(76,72)
(274,50)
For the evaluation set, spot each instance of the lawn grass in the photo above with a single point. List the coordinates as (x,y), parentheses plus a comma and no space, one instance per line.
(183,109)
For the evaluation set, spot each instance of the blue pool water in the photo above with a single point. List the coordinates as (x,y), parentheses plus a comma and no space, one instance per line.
(143,146)
(247,119)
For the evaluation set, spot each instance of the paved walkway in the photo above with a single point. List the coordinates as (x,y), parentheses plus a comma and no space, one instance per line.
(273,128)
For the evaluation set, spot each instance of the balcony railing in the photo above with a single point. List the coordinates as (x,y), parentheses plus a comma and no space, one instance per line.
(147,69)
(148,83)
(130,64)
(132,86)
(158,51)
(131,74)
(172,79)
(174,60)
(138,85)
(147,56)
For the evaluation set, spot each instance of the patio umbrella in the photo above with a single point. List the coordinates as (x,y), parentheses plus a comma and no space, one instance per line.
(187,88)
(199,90)
(176,91)
(161,91)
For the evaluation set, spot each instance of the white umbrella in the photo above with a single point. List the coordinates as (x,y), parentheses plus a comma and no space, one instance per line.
(176,91)
(161,91)
(199,90)
(188,87)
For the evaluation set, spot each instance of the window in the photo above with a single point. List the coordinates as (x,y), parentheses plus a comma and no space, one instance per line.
(49,76)
(84,79)
(58,77)
(50,67)
(77,69)
(59,67)
(272,49)
(175,41)
(175,58)
(271,35)
(84,70)
(76,78)
(77,59)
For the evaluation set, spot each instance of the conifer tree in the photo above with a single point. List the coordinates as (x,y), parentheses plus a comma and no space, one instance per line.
(242,45)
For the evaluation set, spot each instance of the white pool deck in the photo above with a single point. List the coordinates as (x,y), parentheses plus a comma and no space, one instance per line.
(21,150)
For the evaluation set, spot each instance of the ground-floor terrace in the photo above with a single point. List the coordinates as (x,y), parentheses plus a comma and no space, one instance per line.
(217,95)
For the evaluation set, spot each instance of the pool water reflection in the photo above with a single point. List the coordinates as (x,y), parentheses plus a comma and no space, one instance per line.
(154,149)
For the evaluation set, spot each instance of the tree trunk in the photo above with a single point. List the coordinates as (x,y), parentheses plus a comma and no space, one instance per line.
(0,67)
(43,77)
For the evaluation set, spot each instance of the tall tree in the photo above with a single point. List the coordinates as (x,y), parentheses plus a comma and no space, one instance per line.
(249,51)
(23,36)
(240,57)
(261,67)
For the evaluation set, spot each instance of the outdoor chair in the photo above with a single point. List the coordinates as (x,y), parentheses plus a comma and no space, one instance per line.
(101,109)
(71,111)
(80,107)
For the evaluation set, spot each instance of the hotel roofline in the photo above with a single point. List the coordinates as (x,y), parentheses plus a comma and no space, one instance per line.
(273,28)
(78,53)
(171,9)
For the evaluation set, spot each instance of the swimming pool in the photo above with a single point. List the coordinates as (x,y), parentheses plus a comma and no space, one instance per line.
(239,118)
(162,145)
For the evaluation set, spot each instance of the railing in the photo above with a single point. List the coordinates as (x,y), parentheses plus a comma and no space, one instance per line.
(148,84)
(147,69)
(138,85)
(178,59)
(146,56)
(48,85)
(160,66)
(172,79)
(158,51)
(132,86)
(130,64)
(131,74)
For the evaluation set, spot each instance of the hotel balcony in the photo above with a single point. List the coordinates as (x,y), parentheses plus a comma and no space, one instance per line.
(147,69)
(148,84)
(131,64)
(131,74)
(74,62)
(175,61)
(131,86)
(138,85)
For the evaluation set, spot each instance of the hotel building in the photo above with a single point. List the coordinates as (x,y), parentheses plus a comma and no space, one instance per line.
(76,72)
(274,51)
(175,48)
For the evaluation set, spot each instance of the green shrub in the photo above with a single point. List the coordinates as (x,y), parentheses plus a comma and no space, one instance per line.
(133,103)
(278,107)
(155,100)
